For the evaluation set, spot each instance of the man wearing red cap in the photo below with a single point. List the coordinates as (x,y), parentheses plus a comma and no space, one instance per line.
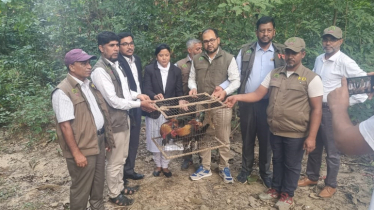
(82,117)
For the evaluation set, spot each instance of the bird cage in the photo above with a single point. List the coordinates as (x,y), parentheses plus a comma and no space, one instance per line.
(187,126)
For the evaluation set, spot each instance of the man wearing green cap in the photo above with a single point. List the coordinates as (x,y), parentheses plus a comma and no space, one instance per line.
(331,66)
(294,114)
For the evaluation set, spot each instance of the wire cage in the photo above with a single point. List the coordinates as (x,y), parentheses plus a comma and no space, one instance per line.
(187,125)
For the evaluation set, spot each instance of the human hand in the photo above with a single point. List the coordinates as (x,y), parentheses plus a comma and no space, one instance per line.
(192,92)
(230,101)
(143,97)
(309,145)
(219,93)
(80,160)
(159,96)
(339,98)
(148,105)
(183,105)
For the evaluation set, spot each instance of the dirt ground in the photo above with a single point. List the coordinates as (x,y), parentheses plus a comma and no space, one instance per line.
(35,177)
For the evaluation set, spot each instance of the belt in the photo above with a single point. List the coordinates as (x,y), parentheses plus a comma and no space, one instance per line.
(325,105)
(100,131)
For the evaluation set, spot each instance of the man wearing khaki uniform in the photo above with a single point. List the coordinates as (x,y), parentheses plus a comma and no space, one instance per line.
(294,114)
(209,70)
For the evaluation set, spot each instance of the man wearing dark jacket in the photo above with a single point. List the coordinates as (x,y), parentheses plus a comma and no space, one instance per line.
(132,65)
(255,60)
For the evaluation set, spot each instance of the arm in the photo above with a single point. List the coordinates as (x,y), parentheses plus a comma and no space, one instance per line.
(347,136)
(67,132)
(104,84)
(179,88)
(192,80)
(352,69)
(257,95)
(233,77)
(315,121)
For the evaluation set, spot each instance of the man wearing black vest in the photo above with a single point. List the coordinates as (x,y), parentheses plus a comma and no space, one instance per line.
(255,60)
(132,66)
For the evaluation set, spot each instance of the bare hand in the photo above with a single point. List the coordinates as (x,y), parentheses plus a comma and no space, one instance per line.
(219,93)
(339,98)
(148,105)
(309,145)
(230,101)
(80,160)
(143,97)
(182,105)
(159,96)
(193,92)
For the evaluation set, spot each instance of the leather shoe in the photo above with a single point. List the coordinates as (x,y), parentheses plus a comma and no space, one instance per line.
(327,192)
(306,182)
(267,181)
(134,176)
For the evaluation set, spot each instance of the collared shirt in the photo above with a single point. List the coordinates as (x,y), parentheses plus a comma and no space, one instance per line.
(263,64)
(233,77)
(332,70)
(64,108)
(104,84)
(134,71)
(164,74)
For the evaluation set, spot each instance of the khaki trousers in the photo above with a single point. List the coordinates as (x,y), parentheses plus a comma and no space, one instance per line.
(88,182)
(221,118)
(116,158)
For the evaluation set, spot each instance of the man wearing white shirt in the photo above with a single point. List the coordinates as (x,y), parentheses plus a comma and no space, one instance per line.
(331,66)
(210,69)
(132,66)
(112,82)
(83,131)
(350,139)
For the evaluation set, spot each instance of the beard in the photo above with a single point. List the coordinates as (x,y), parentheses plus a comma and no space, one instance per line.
(212,51)
(262,43)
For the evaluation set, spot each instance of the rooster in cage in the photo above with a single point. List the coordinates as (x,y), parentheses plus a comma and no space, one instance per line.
(166,129)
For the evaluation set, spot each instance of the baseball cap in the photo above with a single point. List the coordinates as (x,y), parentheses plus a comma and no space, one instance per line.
(77,55)
(295,44)
(333,31)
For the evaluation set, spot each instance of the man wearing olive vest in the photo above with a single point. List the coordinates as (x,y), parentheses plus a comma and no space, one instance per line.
(209,70)
(83,126)
(294,114)
(194,47)
(255,60)
(110,79)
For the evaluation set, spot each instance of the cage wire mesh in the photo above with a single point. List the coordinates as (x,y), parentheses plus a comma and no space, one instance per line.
(187,125)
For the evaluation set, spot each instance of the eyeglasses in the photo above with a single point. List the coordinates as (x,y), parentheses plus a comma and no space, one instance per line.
(125,44)
(209,41)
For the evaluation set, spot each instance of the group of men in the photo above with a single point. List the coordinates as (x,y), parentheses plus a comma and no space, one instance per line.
(283,103)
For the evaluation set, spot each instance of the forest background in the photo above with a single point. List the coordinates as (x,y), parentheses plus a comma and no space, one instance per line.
(36,34)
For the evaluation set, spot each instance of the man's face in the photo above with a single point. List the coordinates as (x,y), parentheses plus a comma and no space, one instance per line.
(195,49)
(265,33)
(126,46)
(211,42)
(80,69)
(330,44)
(294,58)
(110,50)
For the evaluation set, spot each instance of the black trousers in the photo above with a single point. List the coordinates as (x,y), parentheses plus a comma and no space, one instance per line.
(134,141)
(325,138)
(287,157)
(253,121)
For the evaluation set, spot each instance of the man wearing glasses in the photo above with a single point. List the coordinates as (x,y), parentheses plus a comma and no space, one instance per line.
(209,70)
(255,60)
(131,65)
(331,66)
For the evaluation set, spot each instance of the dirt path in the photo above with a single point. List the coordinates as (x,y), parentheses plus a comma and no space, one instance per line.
(37,178)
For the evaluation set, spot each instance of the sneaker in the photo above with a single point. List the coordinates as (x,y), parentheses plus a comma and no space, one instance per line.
(226,175)
(242,177)
(200,173)
(285,202)
(270,194)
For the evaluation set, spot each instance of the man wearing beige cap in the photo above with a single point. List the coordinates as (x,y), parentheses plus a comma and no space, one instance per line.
(294,114)
(82,117)
(331,66)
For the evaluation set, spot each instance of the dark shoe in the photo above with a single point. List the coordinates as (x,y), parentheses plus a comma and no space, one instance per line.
(125,182)
(267,181)
(156,173)
(134,176)
(186,164)
(242,176)
(121,200)
(167,174)
(306,182)
(130,190)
